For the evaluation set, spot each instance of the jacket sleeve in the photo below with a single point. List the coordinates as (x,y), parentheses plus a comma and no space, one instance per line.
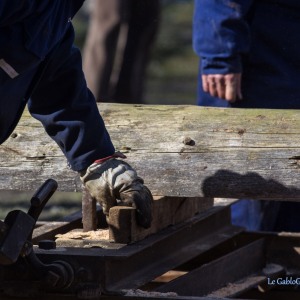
(13,11)
(221,34)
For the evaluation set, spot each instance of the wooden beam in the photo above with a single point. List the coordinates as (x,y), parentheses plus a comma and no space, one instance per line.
(185,151)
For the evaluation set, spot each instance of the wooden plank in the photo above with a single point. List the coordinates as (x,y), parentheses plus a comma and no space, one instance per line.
(183,151)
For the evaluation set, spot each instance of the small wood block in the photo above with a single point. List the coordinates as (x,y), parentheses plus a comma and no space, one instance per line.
(166,211)
(122,224)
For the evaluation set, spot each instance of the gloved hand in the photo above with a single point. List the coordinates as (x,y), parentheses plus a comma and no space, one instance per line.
(114,179)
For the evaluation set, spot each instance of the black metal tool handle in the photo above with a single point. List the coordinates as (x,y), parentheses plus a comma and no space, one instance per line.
(18,226)
(41,197)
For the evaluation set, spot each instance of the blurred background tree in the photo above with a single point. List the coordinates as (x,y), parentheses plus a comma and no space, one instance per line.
(171,76)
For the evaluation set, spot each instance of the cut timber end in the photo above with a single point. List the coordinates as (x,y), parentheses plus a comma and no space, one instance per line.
(167,211)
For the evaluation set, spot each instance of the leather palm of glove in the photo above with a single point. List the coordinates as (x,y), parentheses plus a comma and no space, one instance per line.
(115,179)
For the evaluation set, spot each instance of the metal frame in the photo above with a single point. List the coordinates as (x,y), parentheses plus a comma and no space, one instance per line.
(207,250)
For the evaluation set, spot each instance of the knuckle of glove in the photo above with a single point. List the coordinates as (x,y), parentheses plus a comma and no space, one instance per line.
(143,202)
(101,192)
(115,179)
(106,182)
(95,179)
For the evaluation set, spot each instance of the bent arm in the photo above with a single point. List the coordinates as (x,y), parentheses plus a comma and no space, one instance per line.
(67,108)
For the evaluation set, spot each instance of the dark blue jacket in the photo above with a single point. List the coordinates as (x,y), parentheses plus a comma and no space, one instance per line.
(33,27)
(259,38)
(40,65)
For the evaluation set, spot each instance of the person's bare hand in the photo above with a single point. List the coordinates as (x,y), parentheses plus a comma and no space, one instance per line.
(227,87)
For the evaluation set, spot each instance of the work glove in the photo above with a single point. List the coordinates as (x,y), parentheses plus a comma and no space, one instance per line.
(111,180)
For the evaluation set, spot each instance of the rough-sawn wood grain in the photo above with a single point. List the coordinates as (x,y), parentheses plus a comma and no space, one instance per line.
(183,151)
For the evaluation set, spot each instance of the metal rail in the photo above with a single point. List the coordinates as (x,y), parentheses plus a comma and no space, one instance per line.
(203,258)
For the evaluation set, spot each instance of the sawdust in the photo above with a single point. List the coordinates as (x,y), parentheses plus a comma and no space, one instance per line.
(100,234)
(271,269)
(140,293)
(232,289)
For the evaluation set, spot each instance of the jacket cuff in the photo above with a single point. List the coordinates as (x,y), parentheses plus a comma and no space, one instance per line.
(115,155)
(221,65)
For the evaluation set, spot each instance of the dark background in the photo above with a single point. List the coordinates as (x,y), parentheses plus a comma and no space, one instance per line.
(172,71)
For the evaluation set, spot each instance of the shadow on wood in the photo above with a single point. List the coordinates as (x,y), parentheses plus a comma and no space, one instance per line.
(249,185)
